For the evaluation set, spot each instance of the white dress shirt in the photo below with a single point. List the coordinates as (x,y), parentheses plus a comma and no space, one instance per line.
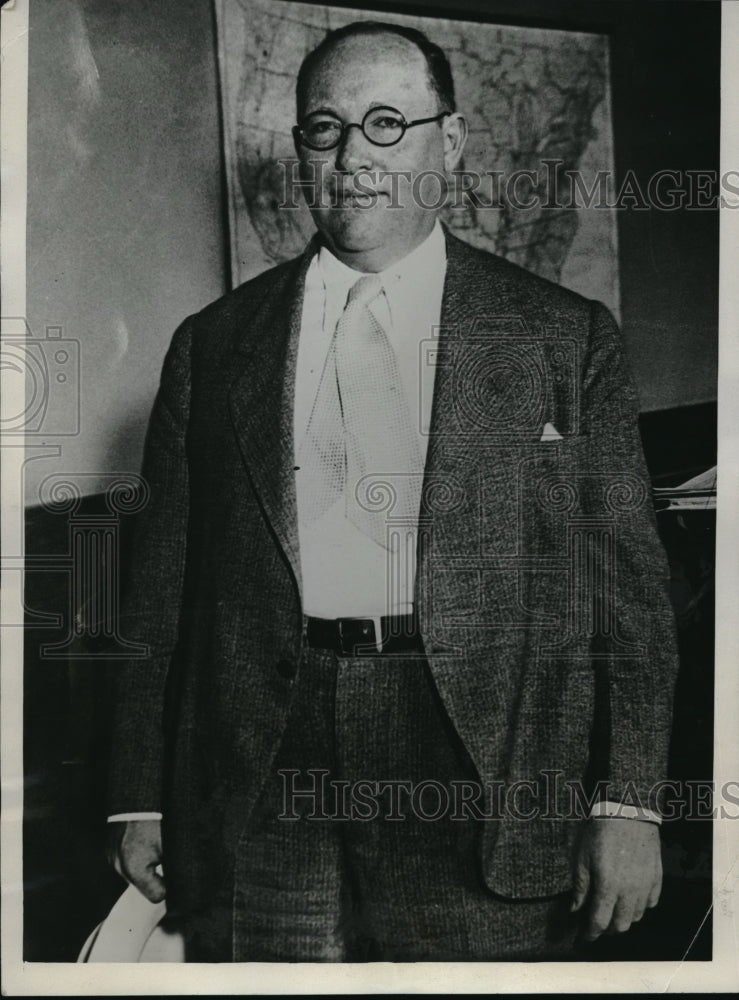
(345,573)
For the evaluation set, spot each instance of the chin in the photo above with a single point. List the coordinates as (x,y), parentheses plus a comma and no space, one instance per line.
(353,231)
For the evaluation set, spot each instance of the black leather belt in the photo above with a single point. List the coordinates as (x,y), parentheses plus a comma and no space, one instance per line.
(358,636)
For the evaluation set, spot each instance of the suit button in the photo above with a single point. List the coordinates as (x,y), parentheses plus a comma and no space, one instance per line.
(287,669)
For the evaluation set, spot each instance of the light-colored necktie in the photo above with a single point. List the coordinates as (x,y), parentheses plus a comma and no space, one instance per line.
(361,443)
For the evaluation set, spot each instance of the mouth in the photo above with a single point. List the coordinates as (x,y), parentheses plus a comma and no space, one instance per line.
(351,199)
(357,199)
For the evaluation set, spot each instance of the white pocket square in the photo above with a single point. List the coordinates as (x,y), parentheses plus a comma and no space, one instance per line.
(550,433)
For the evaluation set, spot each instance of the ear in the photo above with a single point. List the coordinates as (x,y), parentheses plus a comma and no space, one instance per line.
(455,131)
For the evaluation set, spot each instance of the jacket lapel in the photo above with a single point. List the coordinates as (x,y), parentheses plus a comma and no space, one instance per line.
(262,403)
(471,487)
(458,449)
(459,582)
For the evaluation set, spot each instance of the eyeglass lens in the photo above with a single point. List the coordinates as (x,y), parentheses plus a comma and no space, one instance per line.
(382,126)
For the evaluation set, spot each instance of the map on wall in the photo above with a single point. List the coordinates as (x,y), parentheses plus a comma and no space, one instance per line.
(537,102)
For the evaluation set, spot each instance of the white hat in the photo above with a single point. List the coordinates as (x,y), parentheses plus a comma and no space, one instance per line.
(132,933)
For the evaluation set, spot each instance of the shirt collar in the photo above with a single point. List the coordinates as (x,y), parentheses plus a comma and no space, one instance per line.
(427,258)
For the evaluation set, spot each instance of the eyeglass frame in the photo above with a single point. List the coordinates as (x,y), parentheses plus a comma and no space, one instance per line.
(298,133)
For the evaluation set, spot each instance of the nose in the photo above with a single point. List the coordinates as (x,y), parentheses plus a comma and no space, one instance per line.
(354,152)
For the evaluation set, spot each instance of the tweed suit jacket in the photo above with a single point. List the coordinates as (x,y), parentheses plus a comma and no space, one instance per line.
(540,591)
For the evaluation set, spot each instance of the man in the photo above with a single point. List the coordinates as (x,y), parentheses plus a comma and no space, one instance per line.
(399,579)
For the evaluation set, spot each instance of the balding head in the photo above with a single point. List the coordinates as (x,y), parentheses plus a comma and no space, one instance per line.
(436,64)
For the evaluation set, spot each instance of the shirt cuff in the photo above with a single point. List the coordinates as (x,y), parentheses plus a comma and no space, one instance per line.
(125,817)
(623,811)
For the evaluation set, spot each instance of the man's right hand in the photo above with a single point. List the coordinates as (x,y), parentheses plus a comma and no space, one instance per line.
(135,851)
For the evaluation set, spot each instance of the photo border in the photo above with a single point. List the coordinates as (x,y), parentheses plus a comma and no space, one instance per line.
(57,979)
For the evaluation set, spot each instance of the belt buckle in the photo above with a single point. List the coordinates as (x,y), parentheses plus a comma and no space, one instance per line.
(374,638)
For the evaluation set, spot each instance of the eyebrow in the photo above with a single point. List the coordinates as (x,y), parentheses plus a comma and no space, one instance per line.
(322,110)
(330,111)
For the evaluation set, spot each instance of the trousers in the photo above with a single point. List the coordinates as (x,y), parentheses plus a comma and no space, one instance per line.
(356,849)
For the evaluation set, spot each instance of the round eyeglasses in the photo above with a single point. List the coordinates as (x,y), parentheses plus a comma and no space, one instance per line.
(383,126)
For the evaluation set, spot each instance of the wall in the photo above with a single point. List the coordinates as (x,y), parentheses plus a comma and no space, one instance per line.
(125,225)
(666,65)
(125,230)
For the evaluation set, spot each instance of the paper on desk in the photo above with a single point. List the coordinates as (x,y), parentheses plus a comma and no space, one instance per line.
(698,493)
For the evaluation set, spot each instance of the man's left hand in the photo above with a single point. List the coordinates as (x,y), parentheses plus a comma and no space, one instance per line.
(618,871)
